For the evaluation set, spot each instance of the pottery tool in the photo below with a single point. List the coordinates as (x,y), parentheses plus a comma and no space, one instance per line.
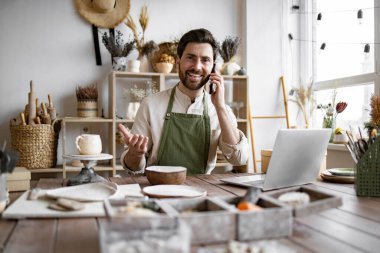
(32,104)
(38,108)
(51,109)
(38,120)
(22,117)
(45,117)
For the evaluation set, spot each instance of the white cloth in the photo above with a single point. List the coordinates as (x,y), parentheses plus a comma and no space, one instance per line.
(149,122)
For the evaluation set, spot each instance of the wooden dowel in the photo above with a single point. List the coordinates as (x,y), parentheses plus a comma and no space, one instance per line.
(285,101)
(22,117)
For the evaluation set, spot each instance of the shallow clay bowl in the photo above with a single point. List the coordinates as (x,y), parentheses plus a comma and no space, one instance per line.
(165,174)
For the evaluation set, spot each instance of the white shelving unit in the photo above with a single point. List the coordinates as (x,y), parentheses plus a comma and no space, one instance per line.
(236,85)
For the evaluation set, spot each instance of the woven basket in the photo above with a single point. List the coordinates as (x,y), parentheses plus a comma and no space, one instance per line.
(36,144)
(368,172)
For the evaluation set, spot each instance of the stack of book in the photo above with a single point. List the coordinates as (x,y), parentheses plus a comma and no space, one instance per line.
(19,180)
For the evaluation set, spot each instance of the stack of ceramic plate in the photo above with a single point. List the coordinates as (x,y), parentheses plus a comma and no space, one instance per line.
(339,175)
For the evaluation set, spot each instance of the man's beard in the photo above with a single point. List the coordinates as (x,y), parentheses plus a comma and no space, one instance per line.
(187,83)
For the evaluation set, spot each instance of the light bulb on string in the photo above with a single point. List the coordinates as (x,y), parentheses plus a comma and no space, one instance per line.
(322,48)
(367,49)
(319,18)
(360,16)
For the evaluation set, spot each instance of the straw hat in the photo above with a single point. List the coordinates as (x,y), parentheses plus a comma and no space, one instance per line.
(103,13)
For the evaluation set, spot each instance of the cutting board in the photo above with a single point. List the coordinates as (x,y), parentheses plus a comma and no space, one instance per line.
(23,208)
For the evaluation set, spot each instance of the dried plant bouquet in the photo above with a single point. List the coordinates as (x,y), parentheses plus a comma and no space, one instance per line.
(89,92)
(304,98)
(116,46)
(229,48)
(144,48)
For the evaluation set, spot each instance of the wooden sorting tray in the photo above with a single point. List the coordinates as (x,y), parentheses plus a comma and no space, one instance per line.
(319,200)
(272,221)
(210,220)
(115,208)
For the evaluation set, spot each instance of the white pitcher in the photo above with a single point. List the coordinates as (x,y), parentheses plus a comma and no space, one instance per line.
(89,144)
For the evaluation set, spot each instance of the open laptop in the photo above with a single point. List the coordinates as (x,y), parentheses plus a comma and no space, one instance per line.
(296,158)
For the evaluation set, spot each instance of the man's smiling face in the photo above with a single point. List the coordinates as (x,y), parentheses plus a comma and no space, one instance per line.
(195,65)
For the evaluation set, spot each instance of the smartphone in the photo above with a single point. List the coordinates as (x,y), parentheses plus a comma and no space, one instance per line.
(212,86)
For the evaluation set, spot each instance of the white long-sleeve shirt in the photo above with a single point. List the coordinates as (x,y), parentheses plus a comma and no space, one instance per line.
(150,118)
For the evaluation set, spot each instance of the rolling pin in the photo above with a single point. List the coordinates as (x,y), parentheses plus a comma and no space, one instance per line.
(51,109)
(32,105)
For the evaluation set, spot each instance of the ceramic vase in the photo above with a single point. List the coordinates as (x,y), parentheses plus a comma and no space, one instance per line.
(131,110)
(329,122)
(230,68)
(134,66)
(119,63)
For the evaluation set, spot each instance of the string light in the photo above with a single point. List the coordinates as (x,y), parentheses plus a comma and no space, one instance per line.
(290,36)
(295,7)
(319,18)
(323,46)
(360,16)
(367,48)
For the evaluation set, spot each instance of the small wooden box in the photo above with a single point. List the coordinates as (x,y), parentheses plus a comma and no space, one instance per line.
(272,221)
(210,221)
(128,232)
(19,180)
(319,200)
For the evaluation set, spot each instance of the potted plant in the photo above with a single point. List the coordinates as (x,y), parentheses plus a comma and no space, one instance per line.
(87,98)
(143,48)
(118,49)
(165,63)
(228,50)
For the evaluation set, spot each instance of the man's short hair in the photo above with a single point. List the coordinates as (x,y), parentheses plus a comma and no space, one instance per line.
(198,36)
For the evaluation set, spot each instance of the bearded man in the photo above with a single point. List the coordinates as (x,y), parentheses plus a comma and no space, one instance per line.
(184,125)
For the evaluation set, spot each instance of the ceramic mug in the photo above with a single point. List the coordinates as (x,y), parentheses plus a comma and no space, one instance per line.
(89,144)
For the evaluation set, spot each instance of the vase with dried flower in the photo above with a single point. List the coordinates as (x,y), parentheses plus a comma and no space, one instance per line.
(228,51)
(165,64)
(167,52)
(373,125)
(134,95)
(304,98)
(330,113)
(144,48)
(87,101)
(118,49)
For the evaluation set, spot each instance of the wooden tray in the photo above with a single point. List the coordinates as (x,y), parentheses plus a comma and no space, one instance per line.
(319,200)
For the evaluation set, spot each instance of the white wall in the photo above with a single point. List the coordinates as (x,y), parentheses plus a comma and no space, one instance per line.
(267,44)
(48,42)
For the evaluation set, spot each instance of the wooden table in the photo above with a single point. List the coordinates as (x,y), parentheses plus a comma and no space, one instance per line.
(353,227)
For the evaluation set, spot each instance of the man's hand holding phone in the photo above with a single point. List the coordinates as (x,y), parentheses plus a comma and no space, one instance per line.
(212,86)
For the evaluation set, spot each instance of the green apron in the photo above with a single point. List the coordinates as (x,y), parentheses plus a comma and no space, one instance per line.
(185,139)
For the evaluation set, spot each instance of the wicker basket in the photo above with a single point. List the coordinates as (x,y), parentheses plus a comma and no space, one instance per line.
(36,144)
(367,181)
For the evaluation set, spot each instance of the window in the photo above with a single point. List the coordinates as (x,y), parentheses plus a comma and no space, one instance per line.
(341,64)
